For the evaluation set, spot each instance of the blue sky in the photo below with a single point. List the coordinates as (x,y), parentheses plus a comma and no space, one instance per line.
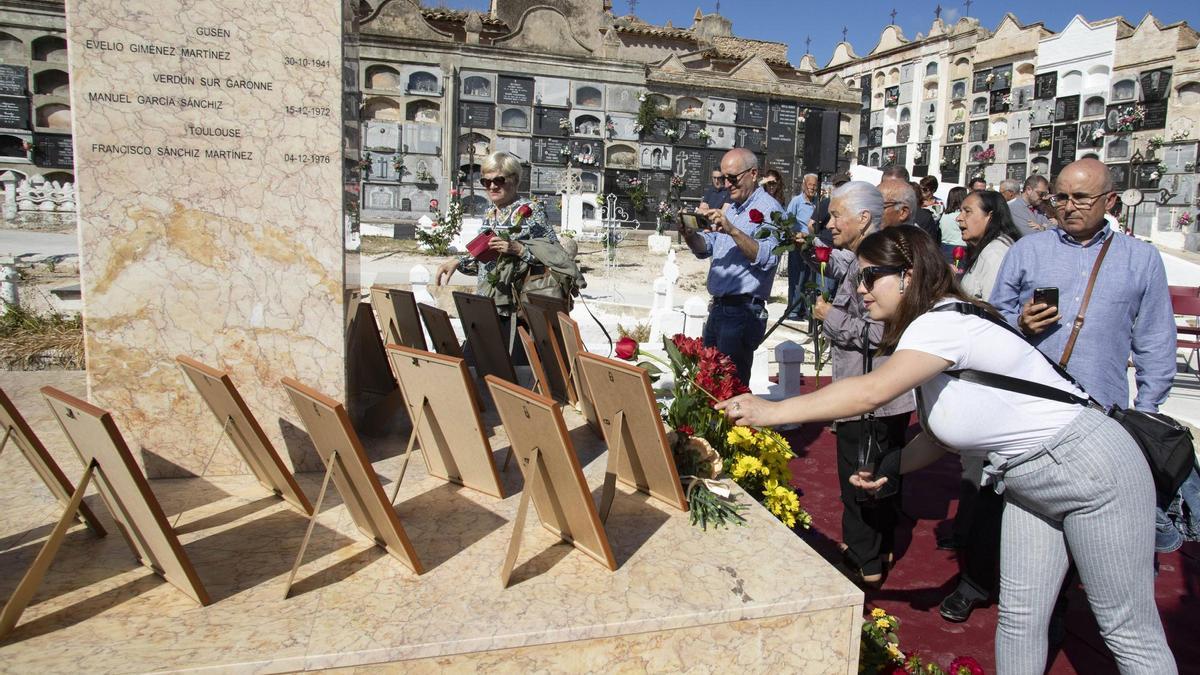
(787,21)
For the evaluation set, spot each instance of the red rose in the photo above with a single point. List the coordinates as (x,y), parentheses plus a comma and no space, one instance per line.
(756,216)
(686,429)
(960,252)
(821,253)
(627,349)
(524,211)
(965,665)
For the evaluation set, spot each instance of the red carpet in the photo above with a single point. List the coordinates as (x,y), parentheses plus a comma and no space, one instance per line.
(923,575)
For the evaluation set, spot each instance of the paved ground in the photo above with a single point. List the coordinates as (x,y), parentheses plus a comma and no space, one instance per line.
(27,246)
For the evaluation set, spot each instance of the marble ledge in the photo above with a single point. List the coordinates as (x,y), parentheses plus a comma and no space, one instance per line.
(353,605)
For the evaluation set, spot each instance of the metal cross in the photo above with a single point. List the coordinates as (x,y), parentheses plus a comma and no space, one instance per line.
(968,3)
(633,6)
(807,44)
(937,13)
(844,31)
(893,16)
(718,7)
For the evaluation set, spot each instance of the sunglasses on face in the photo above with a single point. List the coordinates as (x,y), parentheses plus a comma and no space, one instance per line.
(498,181)
(867,276)
(733,178)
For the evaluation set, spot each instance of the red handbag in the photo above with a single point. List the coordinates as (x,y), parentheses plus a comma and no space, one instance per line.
(479,247)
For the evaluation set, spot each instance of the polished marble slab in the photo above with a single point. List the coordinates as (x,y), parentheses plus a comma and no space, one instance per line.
(746,597)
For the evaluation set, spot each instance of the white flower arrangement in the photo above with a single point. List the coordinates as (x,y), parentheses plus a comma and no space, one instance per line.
(705,135)
(642,98)
(671,133)
(1181,135)
(990,79)
(1098,134)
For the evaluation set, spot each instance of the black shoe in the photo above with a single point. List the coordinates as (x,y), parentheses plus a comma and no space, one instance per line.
(957,607)
(949,542)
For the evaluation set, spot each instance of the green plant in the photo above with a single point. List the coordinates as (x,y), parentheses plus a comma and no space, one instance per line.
(437,238)
(29,340)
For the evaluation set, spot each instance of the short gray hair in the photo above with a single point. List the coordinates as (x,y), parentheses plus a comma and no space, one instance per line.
(810,175)
(859,196)
(902,192)
(1010,185)
(503,163)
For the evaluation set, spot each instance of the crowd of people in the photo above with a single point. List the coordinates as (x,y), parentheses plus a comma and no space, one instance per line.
(919,292)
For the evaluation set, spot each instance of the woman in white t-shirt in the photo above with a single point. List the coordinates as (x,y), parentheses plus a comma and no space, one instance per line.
(1074,482)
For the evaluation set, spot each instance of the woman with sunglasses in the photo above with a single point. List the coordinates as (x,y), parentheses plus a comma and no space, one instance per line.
(1075,483)
(522,236)
(772,184)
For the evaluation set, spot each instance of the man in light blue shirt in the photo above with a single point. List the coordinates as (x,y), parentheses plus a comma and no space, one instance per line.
(743,267)
(801,206)
(1130,307)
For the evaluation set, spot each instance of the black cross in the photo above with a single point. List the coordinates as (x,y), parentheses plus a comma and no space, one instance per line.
(844,31)
(893,17)
(937,13)
(807,43)
(633,6)
(968,3)
(718,6)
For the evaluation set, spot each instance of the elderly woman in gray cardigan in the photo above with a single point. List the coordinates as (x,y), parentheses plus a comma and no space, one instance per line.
(868,525)
(988,230)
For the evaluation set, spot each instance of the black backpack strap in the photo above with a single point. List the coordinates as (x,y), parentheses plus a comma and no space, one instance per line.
(1011,383)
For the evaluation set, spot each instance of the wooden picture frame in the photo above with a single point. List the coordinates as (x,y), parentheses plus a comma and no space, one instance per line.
(489,344)
(445,411)
(572,347)
(553,476)
(217,390)
(14,429)
(541,313)
(633,430)
(535,364)
(441,331)
(399,319)
(346,462)
(106,458)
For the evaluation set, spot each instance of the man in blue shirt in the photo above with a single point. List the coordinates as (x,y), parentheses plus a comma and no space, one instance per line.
(715,195)
(743,267)
(1129,313)
(1130,308)
(801,206)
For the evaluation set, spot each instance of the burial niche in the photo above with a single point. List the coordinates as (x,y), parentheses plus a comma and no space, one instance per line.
(381,108)
(424,82)
(54,116)
(424,112)
(51,83)
(50,48)
(383,77)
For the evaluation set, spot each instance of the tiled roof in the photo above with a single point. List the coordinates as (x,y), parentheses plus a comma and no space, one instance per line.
(459,16)
(635,26)
(741,48)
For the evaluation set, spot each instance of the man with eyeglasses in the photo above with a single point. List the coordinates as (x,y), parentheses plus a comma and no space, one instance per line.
(1026,208)
(716,194)
(1129,313)
(743,267)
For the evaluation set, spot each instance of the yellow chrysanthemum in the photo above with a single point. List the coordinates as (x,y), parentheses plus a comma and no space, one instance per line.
(740,437)
(747,466)
(895,652)
(878,613)
(883,623)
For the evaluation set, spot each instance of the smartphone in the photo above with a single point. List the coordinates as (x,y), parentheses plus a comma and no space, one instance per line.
(1047,296)
(694,220)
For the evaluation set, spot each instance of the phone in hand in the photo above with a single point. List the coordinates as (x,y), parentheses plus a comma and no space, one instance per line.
(1047,296)
(694,220)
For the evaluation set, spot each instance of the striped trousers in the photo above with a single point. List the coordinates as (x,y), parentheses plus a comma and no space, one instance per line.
(1090,496)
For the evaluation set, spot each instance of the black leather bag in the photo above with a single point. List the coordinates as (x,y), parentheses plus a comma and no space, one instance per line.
(1166,444)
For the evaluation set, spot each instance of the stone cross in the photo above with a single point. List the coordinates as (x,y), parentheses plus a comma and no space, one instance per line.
(633,6)
(741,138)
(844,31)
(807,44)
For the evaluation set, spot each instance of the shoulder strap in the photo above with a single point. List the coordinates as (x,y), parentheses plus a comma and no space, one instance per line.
(1011,383)
(1087,295)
